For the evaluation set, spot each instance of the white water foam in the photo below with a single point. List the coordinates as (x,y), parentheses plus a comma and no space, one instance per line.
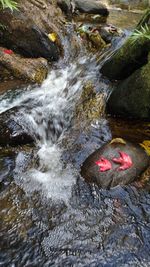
(45,112)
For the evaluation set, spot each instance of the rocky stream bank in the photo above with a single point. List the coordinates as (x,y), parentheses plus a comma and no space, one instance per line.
(75,137)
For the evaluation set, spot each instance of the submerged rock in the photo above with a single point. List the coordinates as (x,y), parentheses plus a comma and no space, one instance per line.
(26,30)
(114,176)
(131,98)
(33,70)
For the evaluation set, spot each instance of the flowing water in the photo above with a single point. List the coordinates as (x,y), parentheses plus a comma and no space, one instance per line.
(50,216)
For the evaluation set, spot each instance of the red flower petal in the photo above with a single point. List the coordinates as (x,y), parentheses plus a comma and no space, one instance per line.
(104,164)
(7,51)
(125,161)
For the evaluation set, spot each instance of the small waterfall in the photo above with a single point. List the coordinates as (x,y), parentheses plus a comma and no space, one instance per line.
(45,112)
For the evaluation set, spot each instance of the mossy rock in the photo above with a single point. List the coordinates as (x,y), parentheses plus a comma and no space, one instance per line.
(91,105)
(131,98)
(92,39)
(129,57)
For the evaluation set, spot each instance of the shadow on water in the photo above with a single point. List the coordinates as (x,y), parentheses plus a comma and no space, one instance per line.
(49,215)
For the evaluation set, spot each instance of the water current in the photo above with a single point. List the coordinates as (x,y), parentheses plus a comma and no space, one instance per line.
(50,215)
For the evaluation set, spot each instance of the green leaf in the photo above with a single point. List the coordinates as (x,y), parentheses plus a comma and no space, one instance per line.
(143,33)
(11,4)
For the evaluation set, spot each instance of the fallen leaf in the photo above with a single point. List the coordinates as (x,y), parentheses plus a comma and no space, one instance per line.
(52,36)
(7,51)
(124,160)
(146,146)
(118,141)
(104,164)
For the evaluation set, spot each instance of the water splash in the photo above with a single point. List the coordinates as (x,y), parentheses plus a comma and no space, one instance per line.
(45,112)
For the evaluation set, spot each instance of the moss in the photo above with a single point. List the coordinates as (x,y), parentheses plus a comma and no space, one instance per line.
(96,40)
(128,58)
(91,106)
(92,39)
(131,97)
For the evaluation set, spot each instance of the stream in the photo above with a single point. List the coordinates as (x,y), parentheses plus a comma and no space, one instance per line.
(50,216)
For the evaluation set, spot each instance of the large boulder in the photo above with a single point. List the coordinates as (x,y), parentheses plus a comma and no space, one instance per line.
(26,30)
(84,10)
(83,6)
(114,176)
(91,7)
(33,70)
(130,56)
(131,98)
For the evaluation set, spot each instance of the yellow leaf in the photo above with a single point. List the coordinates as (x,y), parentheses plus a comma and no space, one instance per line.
(146,146)
(52,36)
(118,141)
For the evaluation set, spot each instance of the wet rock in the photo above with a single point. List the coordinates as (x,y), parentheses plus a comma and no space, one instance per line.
(108,32)
(11,132)
(91,105)
(91,38)
(91,7)
(4,73)
(129,57)
(66,6)
(10,85)
(7,164)
(97,36)
(131,98)
(86,6)
(113,177)
(26,31)
(89,11)
(33,70)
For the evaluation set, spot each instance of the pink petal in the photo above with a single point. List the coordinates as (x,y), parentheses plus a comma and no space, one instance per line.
(104,164)
(7,51)
(125,161)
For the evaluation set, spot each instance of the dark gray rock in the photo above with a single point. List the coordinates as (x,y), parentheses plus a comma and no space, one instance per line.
(11,132)
(66,6)
(131,98)
(90,171)
(26,31)
(126,60)
(91,7)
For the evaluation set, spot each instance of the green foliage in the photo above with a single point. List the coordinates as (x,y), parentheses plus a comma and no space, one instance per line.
(11,4)
(2,26)
(138,34)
